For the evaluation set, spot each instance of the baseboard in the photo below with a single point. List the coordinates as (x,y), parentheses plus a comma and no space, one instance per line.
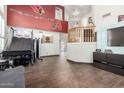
(49,56)
(78,62)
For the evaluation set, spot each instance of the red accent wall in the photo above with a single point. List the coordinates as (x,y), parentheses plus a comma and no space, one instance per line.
(46,23)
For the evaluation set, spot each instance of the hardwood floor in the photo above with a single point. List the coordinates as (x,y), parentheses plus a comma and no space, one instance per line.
(57,72)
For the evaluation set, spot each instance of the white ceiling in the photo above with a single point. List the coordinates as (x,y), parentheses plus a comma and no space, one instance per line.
(77,10)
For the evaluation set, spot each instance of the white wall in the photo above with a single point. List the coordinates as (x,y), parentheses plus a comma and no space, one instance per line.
(51,48)
(102,24)
(45,49)
(115,10)
(84,13)
(85,19)
(3,14)
(9,35)
(81,52)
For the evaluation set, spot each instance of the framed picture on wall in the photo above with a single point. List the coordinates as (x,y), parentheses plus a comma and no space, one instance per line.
(47,39)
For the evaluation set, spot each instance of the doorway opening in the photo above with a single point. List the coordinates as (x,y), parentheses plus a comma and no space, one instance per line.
(63,42)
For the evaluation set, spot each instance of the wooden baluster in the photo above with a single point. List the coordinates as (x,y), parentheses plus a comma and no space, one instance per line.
(82,31)
(84,35)
(76,34)
(79,34)
(90,35)
(87,35)
(93,35)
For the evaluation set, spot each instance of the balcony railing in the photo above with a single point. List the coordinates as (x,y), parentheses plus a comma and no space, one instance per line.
(82,34)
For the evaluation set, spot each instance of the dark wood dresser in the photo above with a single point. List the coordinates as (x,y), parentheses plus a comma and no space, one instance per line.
(109,62)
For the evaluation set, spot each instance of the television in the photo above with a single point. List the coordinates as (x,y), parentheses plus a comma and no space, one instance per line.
(115,36)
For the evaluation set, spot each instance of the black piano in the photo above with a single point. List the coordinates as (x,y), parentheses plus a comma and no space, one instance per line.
(21,49)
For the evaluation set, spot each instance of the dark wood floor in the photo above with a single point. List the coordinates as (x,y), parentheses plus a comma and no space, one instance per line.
(56,72)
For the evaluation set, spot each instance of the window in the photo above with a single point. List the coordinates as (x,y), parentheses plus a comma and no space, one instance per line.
(2,28)
(2,8)
(58,13)
(22,33)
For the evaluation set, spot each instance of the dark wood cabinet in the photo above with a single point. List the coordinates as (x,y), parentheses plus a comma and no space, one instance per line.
(110,62)
(99,57)
(116,59)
